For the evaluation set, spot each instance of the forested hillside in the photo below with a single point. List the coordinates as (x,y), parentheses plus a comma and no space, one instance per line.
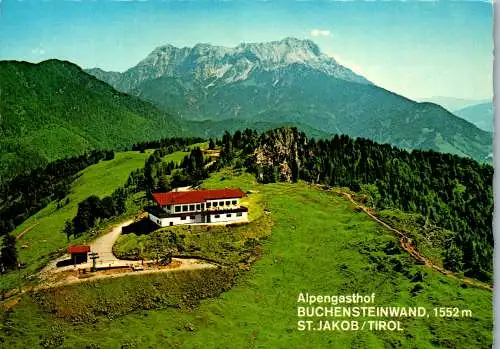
(450,191)
(53,110)
(291,82)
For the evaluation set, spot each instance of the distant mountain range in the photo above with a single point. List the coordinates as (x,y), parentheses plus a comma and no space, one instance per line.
(480,115)
(54,109)
(453,104)
(477,112)
(287,82)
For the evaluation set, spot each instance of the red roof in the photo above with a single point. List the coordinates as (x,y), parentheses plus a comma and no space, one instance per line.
(196,196)
(79,249)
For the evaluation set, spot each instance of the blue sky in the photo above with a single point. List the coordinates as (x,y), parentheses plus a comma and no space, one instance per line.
(417,49)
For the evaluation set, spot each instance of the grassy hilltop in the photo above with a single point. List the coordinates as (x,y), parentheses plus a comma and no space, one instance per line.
(318,244)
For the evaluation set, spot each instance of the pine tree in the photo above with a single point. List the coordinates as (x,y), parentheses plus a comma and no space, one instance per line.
(68,229)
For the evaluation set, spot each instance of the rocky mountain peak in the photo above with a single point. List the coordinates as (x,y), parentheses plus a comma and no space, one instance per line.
(278,53)
(210,65)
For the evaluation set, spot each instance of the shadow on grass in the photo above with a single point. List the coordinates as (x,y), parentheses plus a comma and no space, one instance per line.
(144,226)
(68,262)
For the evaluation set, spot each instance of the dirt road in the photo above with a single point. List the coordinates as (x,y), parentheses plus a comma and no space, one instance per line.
(407,246)
(103,245)
(67,277)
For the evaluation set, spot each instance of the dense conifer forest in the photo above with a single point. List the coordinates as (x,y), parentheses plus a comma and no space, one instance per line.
(450,191)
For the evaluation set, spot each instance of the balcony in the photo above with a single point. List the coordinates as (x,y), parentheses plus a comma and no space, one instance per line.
(159,213)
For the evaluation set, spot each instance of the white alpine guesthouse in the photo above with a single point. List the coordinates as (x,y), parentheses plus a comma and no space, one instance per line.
(198,206)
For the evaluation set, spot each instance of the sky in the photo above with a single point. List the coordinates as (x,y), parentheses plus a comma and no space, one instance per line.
(418,49)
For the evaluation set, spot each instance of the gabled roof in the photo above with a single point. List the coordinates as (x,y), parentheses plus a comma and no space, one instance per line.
(79,249)
(196,196)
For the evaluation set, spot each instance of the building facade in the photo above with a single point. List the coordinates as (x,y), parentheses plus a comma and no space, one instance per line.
(198,207)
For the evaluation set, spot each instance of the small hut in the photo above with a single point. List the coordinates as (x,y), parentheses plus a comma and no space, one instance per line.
(79,253)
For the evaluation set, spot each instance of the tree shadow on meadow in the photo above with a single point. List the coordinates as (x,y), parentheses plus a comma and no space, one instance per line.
(144,226)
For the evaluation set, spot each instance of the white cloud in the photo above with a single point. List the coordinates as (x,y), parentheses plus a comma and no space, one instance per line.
(38,51)
(320,32)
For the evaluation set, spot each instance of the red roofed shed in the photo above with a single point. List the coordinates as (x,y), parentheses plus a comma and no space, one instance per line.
(79,253)
(79,249)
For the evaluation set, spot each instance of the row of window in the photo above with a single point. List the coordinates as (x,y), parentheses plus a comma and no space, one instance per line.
(221,203)
(186,208)
(228,215)
(198,207)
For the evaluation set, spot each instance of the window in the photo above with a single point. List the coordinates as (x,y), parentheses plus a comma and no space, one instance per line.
(228,203)
(239,214)
(215,204)
(202,206)
(177,209)
(192,217)
(234,202)
(191,207)
(184,208)
(221,203)
(198,207)
(171,223)
(217,216)
(183,218)
(209,204)
(168,207)
(228,215)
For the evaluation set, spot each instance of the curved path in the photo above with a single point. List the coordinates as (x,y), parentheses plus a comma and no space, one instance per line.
(407,246)
(103,246)
(54,276)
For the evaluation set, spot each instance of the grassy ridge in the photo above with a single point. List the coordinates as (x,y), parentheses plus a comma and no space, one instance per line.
(45,236)
(319,244)
(430,240)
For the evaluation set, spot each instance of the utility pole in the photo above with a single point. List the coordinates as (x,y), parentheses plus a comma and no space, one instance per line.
(93,256)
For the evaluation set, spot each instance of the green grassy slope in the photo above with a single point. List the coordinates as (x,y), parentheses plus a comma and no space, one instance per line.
(54,109)
(38,245)
(319,244)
